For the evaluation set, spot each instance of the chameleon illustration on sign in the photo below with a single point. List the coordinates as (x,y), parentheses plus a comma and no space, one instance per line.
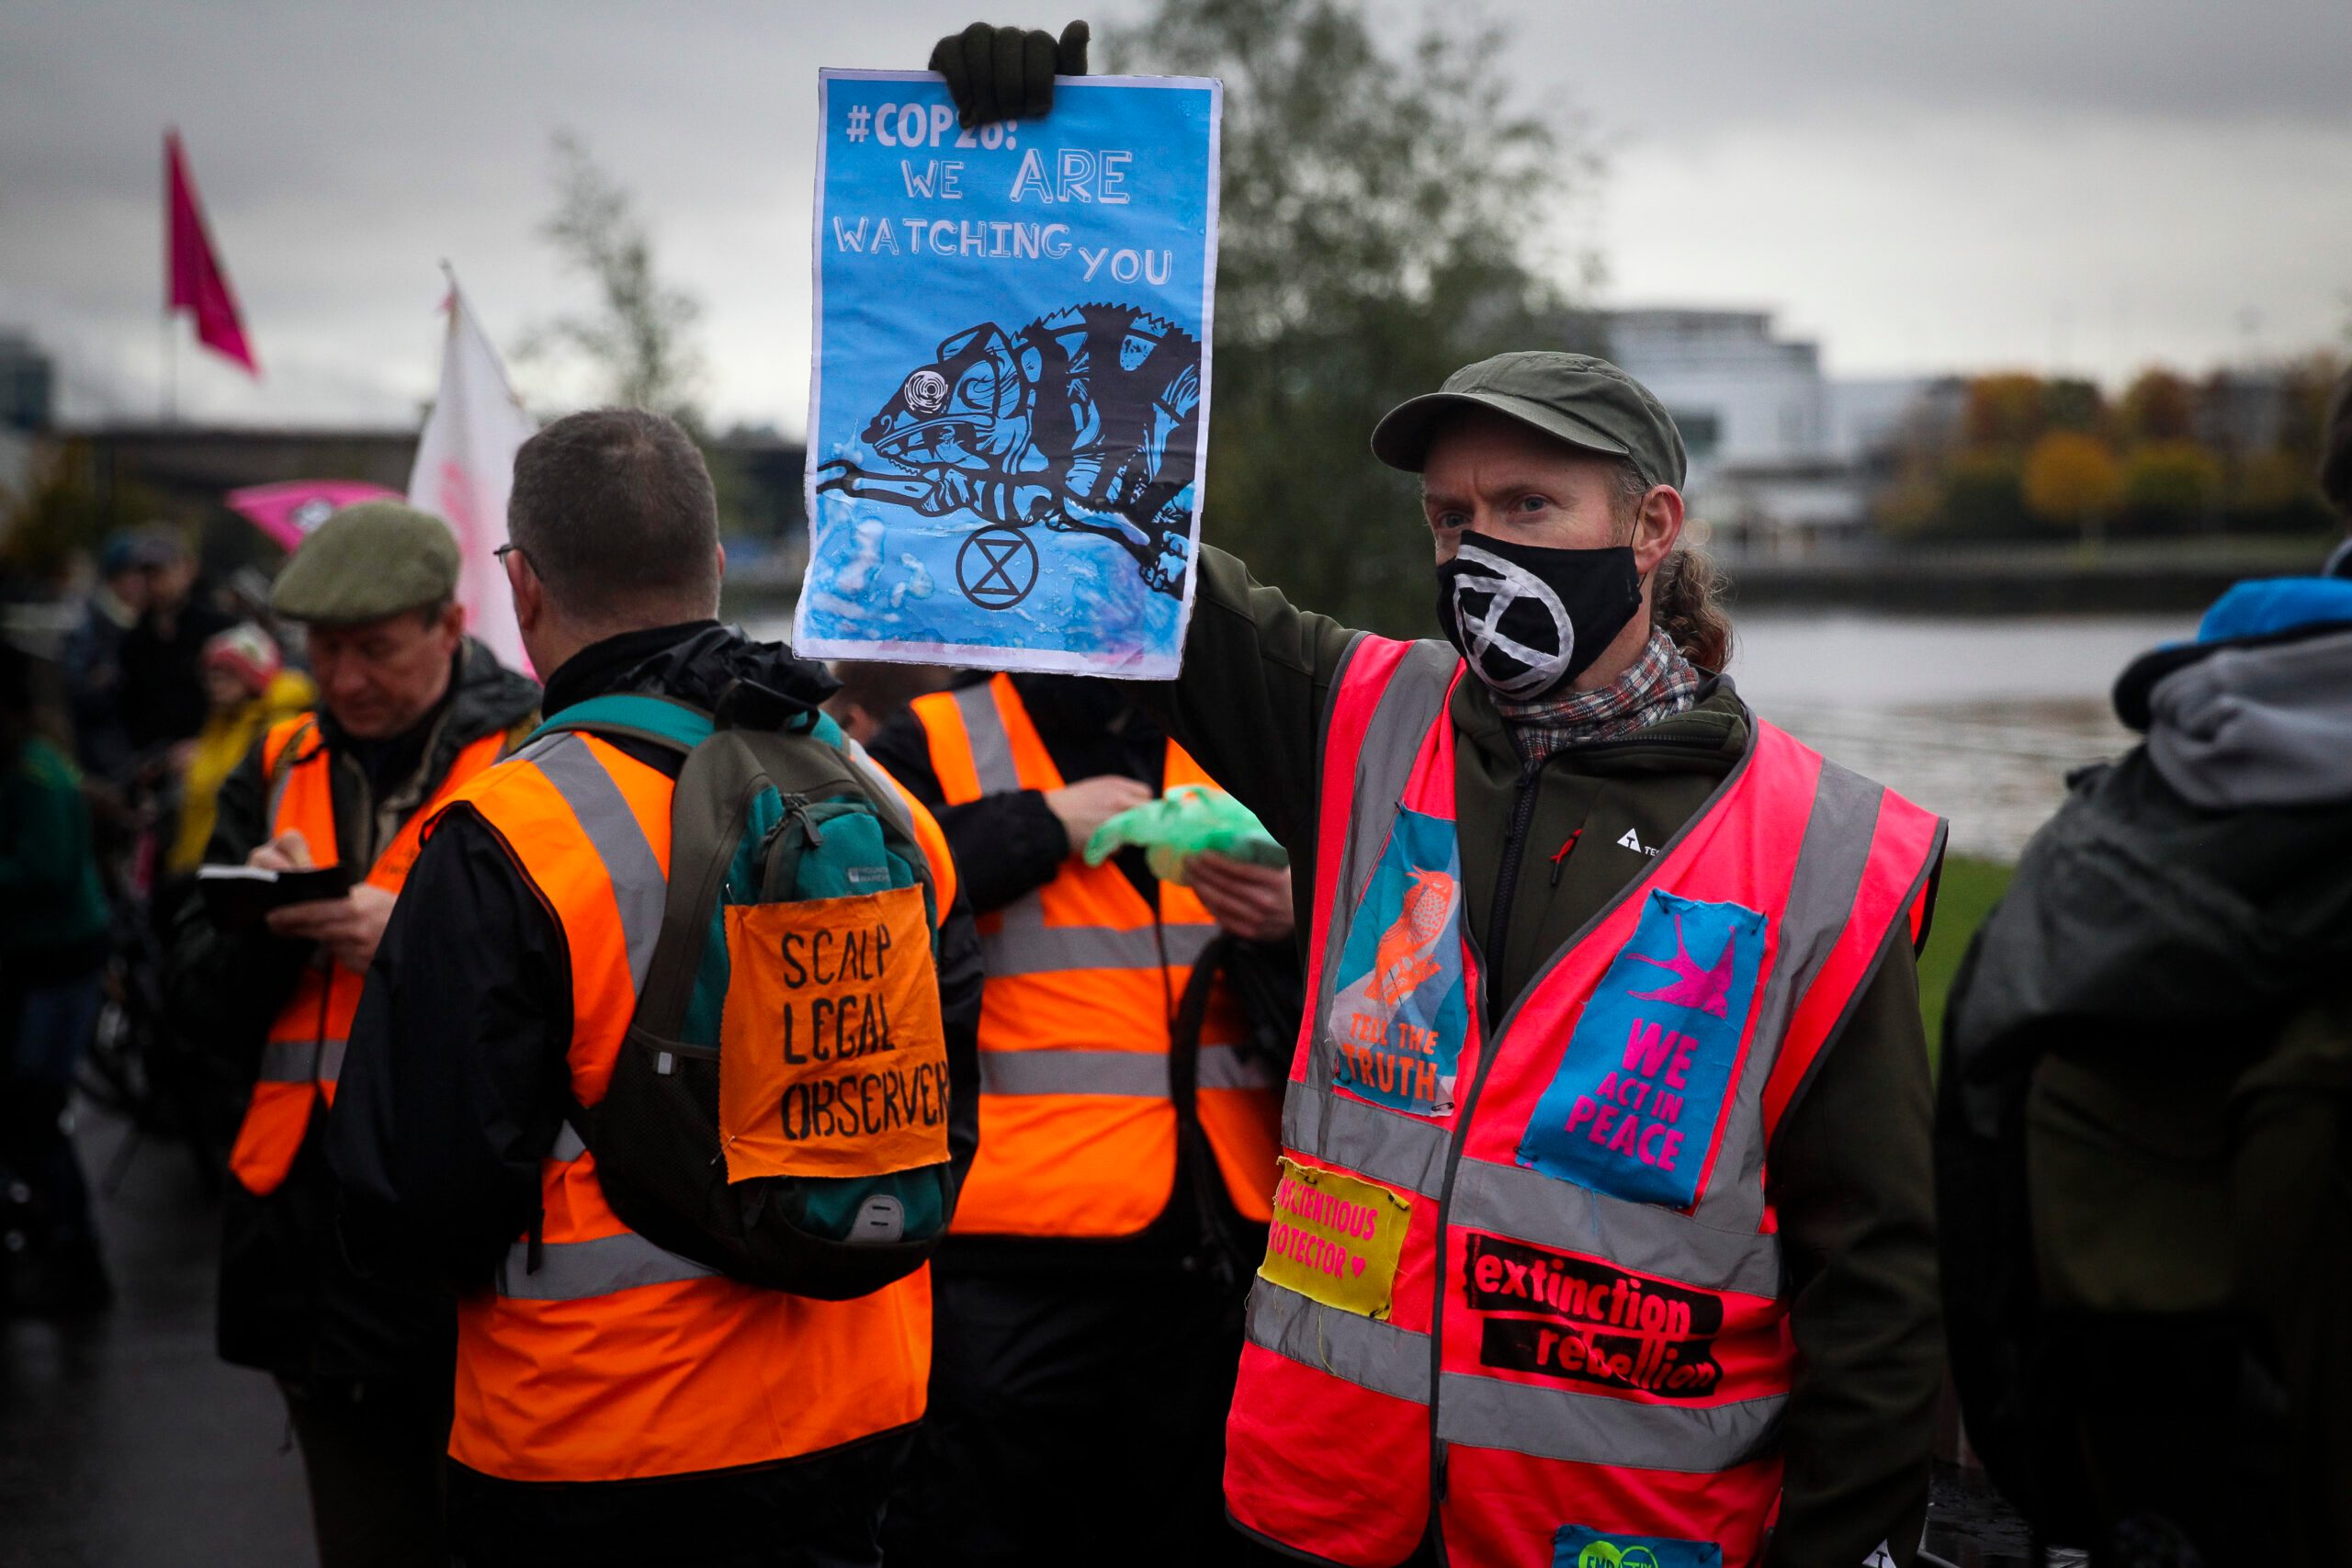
(1085,420)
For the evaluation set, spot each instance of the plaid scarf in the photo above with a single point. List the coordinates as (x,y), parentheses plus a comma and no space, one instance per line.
(1658,685)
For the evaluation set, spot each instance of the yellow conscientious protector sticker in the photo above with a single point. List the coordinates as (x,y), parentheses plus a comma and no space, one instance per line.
(1336,1238)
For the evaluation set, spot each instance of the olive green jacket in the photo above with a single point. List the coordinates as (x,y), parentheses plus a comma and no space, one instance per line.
(1849,1172)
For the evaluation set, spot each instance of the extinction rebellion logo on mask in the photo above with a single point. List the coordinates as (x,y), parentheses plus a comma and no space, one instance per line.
(1581,1320)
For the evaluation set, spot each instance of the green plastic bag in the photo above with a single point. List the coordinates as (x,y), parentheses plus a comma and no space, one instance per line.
(1184,822)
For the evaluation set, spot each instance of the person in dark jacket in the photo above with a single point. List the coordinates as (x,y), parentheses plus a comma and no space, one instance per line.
(92,658)
(2145,1115)
(453,1139)
(409,705)
(1046,1431)
(164,701)
(52,950)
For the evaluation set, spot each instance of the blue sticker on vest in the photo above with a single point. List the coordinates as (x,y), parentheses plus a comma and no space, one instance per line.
(1632,1109)
(1576,1547)
(1401,1008)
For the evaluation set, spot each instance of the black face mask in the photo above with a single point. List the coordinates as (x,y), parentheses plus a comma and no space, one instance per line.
(1530,620)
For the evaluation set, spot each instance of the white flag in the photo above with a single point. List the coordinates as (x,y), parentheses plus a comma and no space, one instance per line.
(465,468)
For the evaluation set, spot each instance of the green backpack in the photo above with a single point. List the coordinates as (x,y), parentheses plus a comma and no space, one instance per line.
(779,1109)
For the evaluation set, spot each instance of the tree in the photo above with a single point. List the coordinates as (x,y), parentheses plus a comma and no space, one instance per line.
(2004,411)
(634,342)
(2158,406)
(2072,480)
(1374,231)
(2170,485)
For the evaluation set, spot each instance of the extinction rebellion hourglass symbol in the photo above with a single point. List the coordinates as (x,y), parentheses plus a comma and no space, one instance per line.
(997,568)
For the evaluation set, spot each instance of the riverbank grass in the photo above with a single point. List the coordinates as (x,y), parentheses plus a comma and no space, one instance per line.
(1970,889)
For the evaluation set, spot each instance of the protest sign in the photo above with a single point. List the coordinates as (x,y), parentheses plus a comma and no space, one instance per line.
(1010,392)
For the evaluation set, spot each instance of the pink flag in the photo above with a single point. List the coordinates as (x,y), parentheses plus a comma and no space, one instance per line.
(287,512)
(197,283)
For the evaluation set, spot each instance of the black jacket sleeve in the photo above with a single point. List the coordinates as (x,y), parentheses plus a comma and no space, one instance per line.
(1249,704)
(454,1084)
(1006,846)
(1851,1178)
(225,988)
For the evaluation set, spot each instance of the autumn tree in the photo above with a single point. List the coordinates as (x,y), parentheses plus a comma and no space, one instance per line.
(2170,484)
(2003,410)
(2157,406)
(2072,480)
(1374,233)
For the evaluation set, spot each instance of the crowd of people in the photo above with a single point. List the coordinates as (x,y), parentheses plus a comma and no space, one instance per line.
(1542,1167)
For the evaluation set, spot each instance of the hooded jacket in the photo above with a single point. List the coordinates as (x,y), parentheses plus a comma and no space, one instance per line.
(290,1301)
(2152,1035)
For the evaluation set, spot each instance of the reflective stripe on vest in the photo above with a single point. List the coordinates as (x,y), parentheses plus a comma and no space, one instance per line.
(601,1356)
(1604,1346)
(301,1058)
(1083,977)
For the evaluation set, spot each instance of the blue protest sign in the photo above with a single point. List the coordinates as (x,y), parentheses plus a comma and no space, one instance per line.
(1010,395)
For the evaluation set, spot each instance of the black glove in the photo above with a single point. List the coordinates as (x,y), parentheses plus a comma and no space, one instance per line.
(1005,73)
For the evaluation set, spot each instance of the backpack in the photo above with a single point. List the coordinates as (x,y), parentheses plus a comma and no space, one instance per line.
(779,1108)
(2143,1160)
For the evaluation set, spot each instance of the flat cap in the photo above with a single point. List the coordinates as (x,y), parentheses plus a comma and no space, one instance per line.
(368,561)
(1575,398)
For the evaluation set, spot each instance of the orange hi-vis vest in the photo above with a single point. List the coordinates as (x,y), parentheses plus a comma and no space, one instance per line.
(1077,1128)
(1524,1282)
(302,1055)
(599,1356)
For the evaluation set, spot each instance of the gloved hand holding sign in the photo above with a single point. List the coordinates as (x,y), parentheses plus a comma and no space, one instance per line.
(1007,73)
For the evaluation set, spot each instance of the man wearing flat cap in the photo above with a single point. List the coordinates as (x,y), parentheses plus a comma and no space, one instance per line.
(1604,1225)
(410,708)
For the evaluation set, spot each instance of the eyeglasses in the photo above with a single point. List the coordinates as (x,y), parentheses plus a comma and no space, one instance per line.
(500,555)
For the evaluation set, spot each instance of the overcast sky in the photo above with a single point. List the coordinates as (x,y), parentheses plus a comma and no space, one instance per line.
(2088,186)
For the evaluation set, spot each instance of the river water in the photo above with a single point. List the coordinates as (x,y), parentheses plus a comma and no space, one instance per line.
(1978,720)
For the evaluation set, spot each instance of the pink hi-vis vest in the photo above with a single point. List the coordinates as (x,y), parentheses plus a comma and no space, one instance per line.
(1522,1269)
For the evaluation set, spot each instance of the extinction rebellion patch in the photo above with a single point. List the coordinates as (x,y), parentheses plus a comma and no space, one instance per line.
(1581,1320)
(1632,1111)
(1401,1007)
(1576,1547)
(1336,1238)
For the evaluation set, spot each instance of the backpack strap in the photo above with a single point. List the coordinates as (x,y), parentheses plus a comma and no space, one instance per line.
(666,722)
(637,715)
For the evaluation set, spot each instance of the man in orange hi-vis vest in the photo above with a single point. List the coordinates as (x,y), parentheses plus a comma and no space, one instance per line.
(1132,1037)
(615,1401)
(410,709)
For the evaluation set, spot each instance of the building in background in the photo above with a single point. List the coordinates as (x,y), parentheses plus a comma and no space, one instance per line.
(1783,459)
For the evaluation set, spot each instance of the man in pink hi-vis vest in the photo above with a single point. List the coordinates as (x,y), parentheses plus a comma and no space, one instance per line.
(1605,1230)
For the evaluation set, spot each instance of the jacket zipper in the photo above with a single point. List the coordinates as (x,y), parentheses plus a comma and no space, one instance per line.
(1523,812)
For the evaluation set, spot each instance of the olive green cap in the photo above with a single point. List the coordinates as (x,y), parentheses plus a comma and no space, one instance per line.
(368,561)
(1575,398)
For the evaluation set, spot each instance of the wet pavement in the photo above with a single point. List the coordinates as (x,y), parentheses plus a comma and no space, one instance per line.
(124,1441)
